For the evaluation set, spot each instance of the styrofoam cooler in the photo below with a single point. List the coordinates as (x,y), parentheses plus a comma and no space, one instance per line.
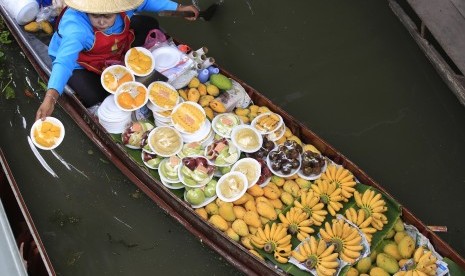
(23,11)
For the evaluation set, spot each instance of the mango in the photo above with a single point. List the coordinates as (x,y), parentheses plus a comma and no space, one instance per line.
(399,236)
(254,108)
(202,213)
(243,199)
(399,225)
(209,112)
(226,211)
(271,192)
(387,263)
(194,83)
(255,191)
(279,181)
(252,218)
(232,234)
(264,220)
(352,272)
(303,184)
(406,247)
(277,203)
(193,95)
(212,90)
(242,111)
(287,198)
(266,211)
(250,206)
(218,222)
(202,89)
(205,100)
(240,227)
(391,249)
(264,200)
(364,265)
(239,211)
(211,209)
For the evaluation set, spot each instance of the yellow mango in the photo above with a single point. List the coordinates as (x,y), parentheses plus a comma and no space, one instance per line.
(287,198)
(212,208)
(277,203)
(202,213)
(232,234)
(250,206)
(266,211)
(239,211)
(243,199)
(255,191)
(193,95)
(226,211)
(271,192)
(218,222)
(240,227)
(252,218)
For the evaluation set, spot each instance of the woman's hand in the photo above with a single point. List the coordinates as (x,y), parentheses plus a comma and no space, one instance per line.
(190,8)
(47,106)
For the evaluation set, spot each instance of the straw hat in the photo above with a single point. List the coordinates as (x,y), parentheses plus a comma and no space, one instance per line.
(103,6)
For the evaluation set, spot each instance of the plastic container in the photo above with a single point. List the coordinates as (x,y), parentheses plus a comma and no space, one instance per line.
(134,89)
(252,170)
(246,138)
(23,11)
(146,53)
(229,191)
(37,126)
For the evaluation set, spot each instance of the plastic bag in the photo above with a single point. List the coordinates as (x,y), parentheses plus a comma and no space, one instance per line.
(46,13)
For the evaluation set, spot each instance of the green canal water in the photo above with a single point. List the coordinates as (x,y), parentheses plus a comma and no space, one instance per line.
(347,69)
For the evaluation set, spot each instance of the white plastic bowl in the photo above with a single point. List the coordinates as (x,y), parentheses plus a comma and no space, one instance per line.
(38,124)
(278,125)
(222,181)
(254,165)
(255,135)
(131,87)
(152,138)
(118,71)
(145,52)
(169,87)
(195,105)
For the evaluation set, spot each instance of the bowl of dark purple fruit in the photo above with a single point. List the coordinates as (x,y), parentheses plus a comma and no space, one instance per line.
(285,160)
(313,165)
(262,153)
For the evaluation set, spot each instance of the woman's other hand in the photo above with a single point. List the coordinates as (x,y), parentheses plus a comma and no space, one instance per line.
(47,106)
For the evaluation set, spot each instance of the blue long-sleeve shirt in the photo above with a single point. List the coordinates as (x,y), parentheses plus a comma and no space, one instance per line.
(76,34)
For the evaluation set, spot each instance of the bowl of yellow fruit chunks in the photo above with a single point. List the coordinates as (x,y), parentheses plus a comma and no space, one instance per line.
(47,134)
(139,61)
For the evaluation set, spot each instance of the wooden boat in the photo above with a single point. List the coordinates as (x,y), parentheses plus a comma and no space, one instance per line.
(175,206)
(22,226)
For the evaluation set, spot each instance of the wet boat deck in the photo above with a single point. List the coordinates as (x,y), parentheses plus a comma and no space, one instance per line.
(439,28)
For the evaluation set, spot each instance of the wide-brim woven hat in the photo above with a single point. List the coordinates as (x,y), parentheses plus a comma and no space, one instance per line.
(103,6)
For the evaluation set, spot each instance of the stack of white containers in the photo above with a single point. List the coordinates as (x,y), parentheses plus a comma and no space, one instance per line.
(112,118)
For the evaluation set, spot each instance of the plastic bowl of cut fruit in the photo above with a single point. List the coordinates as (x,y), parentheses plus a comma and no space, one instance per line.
(131,96)
(222,153)
(47,134)
(113,76)
(195,171)
(140,61)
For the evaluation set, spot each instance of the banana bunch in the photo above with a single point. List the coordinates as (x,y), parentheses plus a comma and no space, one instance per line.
(274,238)
(345,238)
(374,206)
(329,194)
(425,263)
(318,256)
(359,218)
(342,178)
(297,222)
(311,204)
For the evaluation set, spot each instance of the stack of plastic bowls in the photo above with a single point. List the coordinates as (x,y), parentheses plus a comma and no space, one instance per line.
(111,117)
(162,114)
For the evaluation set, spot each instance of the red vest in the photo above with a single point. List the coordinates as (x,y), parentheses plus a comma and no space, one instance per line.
(107,48)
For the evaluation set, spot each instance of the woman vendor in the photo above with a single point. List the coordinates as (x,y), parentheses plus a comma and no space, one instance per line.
(89,34)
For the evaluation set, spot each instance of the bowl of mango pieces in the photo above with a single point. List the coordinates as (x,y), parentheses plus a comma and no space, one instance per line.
(139,61)
(47,134)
